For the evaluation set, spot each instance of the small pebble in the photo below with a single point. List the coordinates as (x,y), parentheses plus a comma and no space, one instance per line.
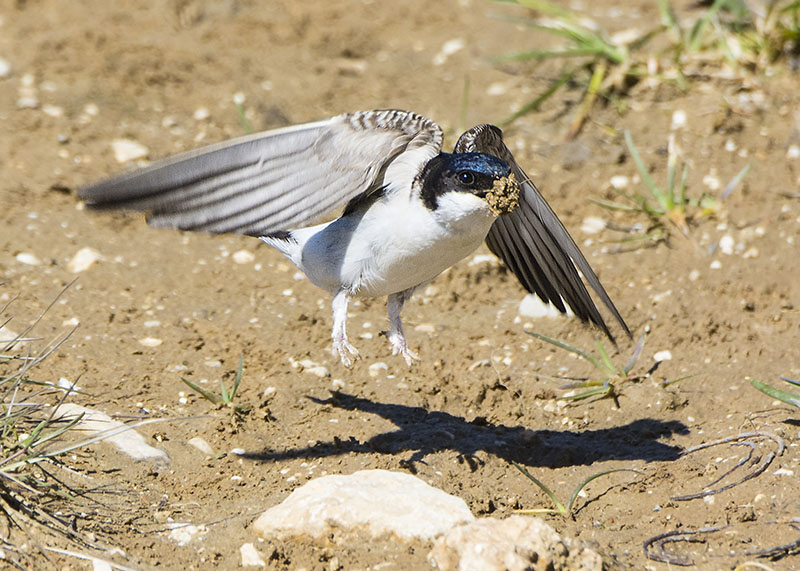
(84,259)
(678,119)
(378,369)
(664,355)
(243,257)
(201,113)
(449,48)
(150,342)
(727,244)
(250,556)
(5,68)
(593,225)
(620,182)
(28,258)
(128,150)
(793,152)
(202,445)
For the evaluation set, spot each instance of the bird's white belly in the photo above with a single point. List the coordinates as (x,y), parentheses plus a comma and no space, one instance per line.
(393,247)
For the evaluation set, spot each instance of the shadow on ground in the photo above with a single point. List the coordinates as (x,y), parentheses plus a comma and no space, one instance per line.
(427,432)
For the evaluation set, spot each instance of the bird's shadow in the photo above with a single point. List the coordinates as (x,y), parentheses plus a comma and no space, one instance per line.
(425,432)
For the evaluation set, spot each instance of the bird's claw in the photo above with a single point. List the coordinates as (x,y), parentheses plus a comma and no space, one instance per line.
(400,347)
(346,352)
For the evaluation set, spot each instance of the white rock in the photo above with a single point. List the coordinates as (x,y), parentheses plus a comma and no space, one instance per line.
(5,68)
(620,182)
(28,259)
(201,113)
(377,369)
(727,244)
(101,565)
(793,152)
(449,48)
(120,435)
(202,445)
(532,306)
(128,150)
(243,257)
(593,225)
(515,544)
(372,502)
(678,119)
(425,328)
(84,259)
(184,533)
(53,110)
(150,342)
(251,557)
(664,355)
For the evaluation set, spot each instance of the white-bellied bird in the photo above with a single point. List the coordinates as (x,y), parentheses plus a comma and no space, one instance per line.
(407,210)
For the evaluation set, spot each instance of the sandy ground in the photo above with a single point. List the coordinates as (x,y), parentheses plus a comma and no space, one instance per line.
(485,392)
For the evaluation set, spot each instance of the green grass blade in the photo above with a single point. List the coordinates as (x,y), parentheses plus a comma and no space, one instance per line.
(735,182)
(585,482)
(611,205)
(55,434)
(640,166)
(208,395)
(636,352)
(668,18)
(559,506)
(605,389)
(608,364)
(238,378)
(223,390)
(538,101)
(567,347)
(778,394)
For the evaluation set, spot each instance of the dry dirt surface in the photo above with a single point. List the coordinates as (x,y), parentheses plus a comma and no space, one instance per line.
(162,305)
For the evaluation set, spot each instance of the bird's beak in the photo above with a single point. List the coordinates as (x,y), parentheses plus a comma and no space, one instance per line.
(504,196)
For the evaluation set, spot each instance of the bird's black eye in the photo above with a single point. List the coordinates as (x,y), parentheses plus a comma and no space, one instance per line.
(466,178)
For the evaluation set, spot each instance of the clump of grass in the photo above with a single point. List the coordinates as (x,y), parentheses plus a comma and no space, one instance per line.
(33,441)
(669,206)
(226,396)
(605,66)
(558,506)
(611,376)
(788,397)
(745,36)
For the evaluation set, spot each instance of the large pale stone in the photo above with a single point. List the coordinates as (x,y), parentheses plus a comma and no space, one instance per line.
(370,502)
(514,544)
(120,435)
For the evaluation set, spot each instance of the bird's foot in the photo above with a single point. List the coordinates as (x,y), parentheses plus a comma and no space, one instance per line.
(346,352)
(400,347)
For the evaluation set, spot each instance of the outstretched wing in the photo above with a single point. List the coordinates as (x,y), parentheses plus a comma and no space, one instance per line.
(276,180)
(534,244)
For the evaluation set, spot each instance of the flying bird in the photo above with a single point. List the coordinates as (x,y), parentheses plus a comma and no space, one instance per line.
(408,211)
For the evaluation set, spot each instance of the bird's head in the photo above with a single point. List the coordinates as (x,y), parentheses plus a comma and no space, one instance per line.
(482,175)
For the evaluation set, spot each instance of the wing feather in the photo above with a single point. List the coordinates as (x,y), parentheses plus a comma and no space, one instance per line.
(534,244)
(276,180)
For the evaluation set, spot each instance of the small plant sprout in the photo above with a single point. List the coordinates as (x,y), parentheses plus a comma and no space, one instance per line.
(559,507)
(668,206)
(788,397)
(226,396)
(611,377)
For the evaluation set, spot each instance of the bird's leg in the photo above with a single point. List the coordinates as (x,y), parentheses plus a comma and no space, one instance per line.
(341,346)
(397,338)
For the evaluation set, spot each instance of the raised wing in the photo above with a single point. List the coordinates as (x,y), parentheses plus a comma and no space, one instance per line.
(276,180)
(534,244)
